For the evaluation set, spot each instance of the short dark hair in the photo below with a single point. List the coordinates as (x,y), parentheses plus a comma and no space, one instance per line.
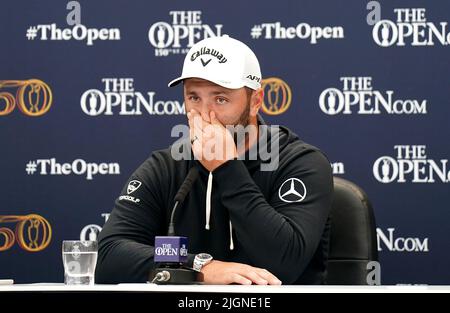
(249,92)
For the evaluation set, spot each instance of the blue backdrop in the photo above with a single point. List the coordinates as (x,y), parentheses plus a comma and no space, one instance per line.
(84,101)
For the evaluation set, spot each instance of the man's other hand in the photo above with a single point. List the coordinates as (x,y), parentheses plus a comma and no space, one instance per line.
(223,273)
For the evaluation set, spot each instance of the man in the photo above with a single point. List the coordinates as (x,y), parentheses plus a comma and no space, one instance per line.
(251,224)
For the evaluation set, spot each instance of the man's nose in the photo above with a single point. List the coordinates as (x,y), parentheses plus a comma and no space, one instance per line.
(207,106)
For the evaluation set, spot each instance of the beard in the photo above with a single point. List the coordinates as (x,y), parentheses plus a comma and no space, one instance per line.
(240,124)
(244,118)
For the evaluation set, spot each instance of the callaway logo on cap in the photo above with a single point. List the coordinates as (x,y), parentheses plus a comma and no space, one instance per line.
(224,61)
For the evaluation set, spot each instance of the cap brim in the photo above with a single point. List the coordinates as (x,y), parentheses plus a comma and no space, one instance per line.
(178,80)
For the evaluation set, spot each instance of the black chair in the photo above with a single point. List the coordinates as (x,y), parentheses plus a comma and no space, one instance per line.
(353,241)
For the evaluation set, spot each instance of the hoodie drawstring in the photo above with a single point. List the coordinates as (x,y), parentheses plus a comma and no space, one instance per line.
(208,199)
(208,209)
(231,237)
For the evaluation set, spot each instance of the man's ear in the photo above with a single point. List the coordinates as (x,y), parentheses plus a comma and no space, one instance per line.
(256,101)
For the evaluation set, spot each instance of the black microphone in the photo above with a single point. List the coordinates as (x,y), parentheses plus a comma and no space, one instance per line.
(171,250)
(186,186)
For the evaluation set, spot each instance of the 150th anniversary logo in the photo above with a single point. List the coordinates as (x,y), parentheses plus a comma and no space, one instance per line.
(32,232)
(32,97)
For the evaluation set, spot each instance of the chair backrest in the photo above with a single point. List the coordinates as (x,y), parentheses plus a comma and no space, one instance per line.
(353,241)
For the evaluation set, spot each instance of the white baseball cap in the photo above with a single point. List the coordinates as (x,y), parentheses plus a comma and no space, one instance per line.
(224,61)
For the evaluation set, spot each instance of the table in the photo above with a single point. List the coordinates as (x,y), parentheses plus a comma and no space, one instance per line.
(50,287)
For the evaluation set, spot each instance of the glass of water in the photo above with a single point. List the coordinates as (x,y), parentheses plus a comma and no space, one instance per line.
(79,259)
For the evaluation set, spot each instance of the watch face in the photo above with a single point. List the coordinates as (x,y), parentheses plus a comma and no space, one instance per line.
(203,257)
(200,260)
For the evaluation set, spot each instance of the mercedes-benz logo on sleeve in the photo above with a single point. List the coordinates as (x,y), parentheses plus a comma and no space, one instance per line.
(292,190)
(133,186)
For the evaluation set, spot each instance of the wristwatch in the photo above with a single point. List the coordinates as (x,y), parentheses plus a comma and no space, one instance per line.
(201,260)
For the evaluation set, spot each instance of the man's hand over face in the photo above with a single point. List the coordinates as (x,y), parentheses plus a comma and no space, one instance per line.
(212,143)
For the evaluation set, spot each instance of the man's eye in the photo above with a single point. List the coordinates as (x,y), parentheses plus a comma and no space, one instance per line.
(193,98)
(221,100)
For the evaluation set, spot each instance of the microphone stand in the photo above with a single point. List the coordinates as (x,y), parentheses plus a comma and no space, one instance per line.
(177,274)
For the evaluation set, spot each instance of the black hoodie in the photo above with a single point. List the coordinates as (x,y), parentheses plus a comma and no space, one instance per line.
(245,215)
